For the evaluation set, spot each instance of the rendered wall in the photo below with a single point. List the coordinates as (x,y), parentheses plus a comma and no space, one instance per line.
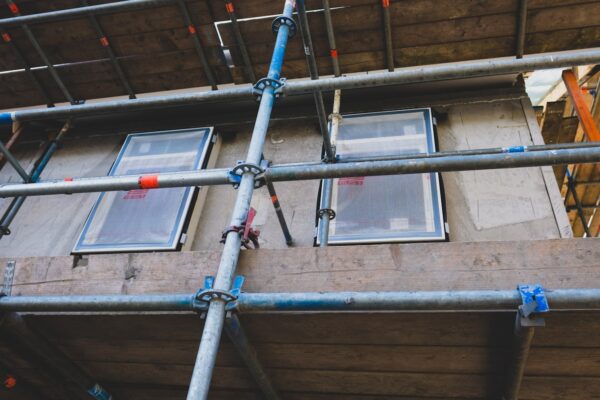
(480,205)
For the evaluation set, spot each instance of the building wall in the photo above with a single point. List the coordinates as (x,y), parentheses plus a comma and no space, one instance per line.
(480,205)
(505,204)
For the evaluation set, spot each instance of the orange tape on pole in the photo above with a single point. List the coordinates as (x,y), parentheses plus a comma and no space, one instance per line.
(585,116)
(229,8)
(10,382)
(148,182)
(385,3)
(192,29)
(6,37)
(104,41)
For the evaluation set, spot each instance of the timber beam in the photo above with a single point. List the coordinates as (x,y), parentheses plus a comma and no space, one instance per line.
(499,265)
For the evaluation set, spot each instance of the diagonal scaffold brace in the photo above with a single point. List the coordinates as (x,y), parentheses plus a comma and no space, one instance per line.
(284,27)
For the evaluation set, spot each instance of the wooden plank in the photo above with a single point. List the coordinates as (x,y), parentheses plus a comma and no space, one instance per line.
(402,329)
(563,361)
(152,71)
(142,351)
(76,35)
(159,374)
(255,8)
(562,222)
(424,266)
(171,392)
(436,53)
(559,388)
(553,116)
(381,383)
(566,134)
(347,357)
(319,381)
(158,392)
(357,348)
(368,34)
(390,329)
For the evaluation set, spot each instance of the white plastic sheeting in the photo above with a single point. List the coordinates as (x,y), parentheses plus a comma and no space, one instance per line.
(146,219)
(386,208)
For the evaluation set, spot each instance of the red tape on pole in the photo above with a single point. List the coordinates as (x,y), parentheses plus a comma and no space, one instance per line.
(148,182)
(229,8)
(6,37)
(192,29)
(334,53)
(385,3)
(104,41)
(13,8)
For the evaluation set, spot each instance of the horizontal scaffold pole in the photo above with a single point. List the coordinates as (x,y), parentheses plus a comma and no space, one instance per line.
(442,301)
(408,75)
(438,162)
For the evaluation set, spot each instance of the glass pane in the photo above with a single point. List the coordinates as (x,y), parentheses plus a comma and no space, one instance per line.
(144,219)
(386,208)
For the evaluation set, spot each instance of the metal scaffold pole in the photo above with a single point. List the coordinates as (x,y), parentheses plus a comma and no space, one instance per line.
(466,160)
(215,316)
(400,76)
(326,213)
(16,204)
(435,301)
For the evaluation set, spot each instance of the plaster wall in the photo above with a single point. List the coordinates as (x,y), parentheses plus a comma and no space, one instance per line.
(480,205)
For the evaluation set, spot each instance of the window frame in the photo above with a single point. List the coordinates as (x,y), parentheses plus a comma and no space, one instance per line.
(184,212)
(435,189)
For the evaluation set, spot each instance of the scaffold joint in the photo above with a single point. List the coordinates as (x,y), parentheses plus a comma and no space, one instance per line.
(243,167)
(263,83)
(283,20)
(326,211)
(534,302)
(209,293)
(248,234)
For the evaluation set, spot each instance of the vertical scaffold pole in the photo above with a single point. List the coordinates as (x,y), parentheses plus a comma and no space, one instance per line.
(215,316)
(326,214)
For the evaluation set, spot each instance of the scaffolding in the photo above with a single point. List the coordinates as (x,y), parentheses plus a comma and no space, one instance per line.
(221,297)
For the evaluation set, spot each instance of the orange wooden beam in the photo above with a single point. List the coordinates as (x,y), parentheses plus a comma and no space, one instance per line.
(585,116)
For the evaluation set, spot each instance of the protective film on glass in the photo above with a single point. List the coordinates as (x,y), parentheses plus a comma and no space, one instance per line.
(392,208)
(146,219)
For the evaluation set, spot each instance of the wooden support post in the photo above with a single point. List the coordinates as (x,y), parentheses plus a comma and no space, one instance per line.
(591,132)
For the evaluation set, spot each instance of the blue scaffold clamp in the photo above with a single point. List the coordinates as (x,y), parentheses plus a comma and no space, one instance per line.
(534,302)
(514,149)
(99,393)
(6,118)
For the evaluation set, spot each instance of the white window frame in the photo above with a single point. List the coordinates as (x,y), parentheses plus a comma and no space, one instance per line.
(184,209)
(432,196)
